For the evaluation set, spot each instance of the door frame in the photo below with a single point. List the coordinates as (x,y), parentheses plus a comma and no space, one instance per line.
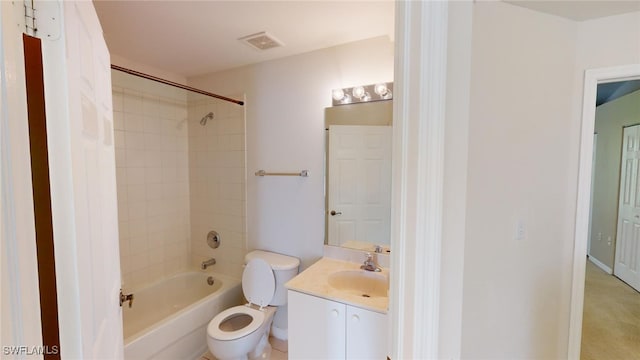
(592,78)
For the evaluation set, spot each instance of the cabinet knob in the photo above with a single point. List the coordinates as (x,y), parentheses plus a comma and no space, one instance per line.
(334,313)
(355,318)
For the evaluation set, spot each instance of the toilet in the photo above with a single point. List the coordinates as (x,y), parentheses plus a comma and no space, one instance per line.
(242,332)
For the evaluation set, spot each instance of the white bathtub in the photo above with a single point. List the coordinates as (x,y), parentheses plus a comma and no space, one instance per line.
(168,319)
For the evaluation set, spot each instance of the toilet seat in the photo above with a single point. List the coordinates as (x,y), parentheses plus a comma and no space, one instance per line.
(257,318)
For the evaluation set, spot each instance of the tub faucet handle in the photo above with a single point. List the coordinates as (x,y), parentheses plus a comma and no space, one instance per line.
(126,297)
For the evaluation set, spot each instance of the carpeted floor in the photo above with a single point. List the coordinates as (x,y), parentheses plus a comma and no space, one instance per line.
(611,322)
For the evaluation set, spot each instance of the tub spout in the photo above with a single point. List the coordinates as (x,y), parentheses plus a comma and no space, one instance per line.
(207,263)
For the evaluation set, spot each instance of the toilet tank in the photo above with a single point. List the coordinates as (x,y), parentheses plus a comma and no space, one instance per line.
(284,269)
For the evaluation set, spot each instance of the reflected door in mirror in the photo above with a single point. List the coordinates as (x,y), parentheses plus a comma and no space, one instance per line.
(359,185)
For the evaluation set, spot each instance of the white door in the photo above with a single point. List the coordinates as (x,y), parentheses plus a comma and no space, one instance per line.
(627,257)
(359,184)
(83,182)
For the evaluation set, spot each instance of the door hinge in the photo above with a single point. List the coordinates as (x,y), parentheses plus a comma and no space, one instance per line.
(31,26)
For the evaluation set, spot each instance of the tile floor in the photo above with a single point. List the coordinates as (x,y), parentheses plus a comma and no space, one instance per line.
(275,355)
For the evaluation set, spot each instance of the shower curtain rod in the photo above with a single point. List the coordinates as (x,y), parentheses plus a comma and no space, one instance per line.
(175,84)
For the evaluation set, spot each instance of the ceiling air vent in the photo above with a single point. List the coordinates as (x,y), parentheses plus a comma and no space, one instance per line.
(261,41)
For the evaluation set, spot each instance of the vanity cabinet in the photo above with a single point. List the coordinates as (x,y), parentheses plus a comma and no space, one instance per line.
(326,329)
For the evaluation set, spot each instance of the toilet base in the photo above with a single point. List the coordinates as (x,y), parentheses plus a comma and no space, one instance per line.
(263,350)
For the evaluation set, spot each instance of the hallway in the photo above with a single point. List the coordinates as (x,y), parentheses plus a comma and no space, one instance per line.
(611,323)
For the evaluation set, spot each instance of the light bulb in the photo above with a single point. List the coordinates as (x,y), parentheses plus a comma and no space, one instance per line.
(338,94)
(381,89)
(358,92)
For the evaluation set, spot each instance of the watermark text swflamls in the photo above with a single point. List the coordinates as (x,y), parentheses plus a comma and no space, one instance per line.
(30,350)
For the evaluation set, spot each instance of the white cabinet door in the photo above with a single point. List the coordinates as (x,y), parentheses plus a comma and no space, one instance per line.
(316,327)
(366,334)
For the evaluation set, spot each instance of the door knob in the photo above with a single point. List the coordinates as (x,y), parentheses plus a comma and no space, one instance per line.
(334,213)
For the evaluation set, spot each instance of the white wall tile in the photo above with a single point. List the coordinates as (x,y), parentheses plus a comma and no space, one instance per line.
(152,207)
(135,158)
(153,141)
(119,140)
(150,106)
(135,175)
(118,120)
(152,159)
(152,124)
(133,122)
(170,170)
(136,192)
(134,140)
(153,175)
(136,210)
(120,157)
(132,101)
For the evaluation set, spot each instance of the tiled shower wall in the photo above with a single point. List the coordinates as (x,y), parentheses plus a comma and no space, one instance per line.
(152,169)
(217,180)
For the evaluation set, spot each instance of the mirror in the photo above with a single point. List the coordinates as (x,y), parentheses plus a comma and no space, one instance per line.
(358,175)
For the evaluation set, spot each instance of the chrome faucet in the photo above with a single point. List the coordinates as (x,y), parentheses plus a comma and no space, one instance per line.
(370,264)
(206,263)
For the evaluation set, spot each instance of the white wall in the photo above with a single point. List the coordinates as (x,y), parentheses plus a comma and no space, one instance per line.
(285,101)
(515,301)
(524,132)
(455,171)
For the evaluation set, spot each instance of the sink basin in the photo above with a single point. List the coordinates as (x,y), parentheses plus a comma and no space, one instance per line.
(360,283)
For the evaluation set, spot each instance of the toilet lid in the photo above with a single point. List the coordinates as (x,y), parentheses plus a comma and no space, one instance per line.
(258,282)
(215,330)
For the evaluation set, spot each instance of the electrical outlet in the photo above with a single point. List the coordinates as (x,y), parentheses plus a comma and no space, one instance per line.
(599,236)
(520,230)
(609,240)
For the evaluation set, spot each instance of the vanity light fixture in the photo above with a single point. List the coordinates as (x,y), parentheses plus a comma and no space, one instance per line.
(366,93)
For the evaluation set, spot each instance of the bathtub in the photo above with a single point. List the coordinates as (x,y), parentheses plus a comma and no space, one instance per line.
(169,319)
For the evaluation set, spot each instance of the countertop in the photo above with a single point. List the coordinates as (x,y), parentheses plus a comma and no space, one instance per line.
(314,281)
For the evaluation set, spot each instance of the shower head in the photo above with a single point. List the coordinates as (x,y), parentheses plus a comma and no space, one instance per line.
(206,118)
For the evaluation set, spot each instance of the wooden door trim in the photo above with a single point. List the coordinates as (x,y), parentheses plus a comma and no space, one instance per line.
(34,78)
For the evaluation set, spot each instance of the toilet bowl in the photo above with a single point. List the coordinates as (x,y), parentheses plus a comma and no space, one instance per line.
(242,332)
(237,332)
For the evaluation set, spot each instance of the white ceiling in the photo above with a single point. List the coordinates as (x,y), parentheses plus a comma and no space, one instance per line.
(196,37)
(192,38)
(580,10)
